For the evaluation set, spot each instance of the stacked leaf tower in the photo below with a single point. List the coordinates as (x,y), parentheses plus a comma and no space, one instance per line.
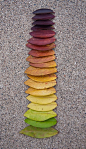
(42,77)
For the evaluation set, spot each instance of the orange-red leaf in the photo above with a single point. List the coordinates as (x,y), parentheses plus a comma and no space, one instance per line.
(41,48)
(37,53)
(40,59)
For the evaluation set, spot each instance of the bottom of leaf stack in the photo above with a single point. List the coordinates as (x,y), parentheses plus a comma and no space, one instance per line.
(39,132)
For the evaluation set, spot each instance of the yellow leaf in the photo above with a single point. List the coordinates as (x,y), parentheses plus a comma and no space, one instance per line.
(42,99)
(38,107)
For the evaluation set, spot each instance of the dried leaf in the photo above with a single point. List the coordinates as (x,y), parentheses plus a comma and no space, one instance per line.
(42,33)
(42,27)
(44,124)
(40,71)
(46,78)
(39,132)
(39,116)
(43,17)
(38,41)
(41,53)
(41,48)
(43,11)
(40,59)
(40,85)
(43,22)
(44,65)
(42,99)
(38,107)
(40,92)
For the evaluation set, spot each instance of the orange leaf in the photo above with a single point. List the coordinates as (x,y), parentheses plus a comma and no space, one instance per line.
(40,71)
(40,92)
(40,85)
(46,78)
(44,65)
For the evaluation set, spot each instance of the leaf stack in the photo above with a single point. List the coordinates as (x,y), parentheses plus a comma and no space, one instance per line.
(42,77)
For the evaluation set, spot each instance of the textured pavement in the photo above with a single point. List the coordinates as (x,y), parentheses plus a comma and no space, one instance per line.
(70,53)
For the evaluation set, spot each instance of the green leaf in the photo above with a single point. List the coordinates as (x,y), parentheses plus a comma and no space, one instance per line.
(44,124)
(39,132)
(39,115)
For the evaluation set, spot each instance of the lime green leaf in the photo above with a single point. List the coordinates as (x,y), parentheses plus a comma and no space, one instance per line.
(39,132)
(44,124)
(39,116)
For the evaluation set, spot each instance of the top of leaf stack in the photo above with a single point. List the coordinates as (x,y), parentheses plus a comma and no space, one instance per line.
(43,11)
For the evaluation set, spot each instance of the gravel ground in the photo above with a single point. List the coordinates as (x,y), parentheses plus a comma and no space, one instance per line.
(70,52)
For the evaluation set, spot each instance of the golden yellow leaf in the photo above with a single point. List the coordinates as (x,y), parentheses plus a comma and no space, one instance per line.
(40,71)
(45,78)
(40,85)
(40,92)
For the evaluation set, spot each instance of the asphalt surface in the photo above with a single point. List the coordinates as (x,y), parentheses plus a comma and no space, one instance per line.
(70,51)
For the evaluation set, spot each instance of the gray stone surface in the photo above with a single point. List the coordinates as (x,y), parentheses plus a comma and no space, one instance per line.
(70,52)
